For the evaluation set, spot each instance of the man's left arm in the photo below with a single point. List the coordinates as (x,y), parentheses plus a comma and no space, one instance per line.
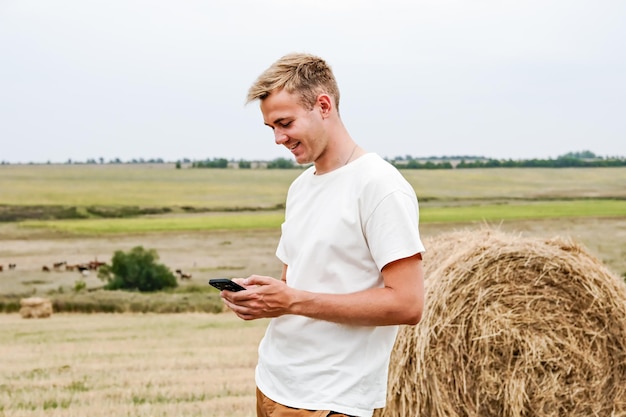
(400,301)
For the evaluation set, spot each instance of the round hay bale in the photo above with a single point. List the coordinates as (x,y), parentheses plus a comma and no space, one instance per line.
(35,307)
(512,327)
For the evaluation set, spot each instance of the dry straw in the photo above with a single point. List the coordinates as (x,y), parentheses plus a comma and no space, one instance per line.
(35,307)
(512,327)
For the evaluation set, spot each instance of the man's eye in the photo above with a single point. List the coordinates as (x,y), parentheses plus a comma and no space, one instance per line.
(285,124)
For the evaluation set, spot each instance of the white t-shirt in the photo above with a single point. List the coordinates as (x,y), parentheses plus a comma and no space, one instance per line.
(340,230)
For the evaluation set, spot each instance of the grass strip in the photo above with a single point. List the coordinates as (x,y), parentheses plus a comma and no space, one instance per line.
(168,224)
(525,211)
(263,220)
(103,301)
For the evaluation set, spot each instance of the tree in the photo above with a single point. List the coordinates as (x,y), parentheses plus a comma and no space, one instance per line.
(137,270)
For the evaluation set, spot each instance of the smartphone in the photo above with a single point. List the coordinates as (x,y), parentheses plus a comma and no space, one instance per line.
(225,284)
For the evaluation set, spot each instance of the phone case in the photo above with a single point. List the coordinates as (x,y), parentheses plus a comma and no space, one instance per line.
(225,284)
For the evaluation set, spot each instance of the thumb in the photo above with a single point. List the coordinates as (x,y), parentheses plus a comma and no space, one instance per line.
(258,280)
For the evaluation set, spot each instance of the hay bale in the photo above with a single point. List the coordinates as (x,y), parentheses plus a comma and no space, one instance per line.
(512,327)
(35,307)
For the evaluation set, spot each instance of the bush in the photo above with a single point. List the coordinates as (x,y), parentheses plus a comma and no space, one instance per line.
(80,285)
(9,303)
(137,270)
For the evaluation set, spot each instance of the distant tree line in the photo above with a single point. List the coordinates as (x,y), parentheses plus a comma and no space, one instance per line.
(571,159)
(211,163)
(544,163)
(278,163)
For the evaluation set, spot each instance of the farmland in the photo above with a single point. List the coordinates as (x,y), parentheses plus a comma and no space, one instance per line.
(218,223)
(128,365)
(163,186)
(190,203)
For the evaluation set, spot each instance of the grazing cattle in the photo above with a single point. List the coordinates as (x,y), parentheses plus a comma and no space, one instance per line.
(94,265)
(1,268)
(45,268)
(58,265)
(12,266)
(183,275)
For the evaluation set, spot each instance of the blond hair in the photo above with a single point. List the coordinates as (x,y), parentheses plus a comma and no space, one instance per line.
(305,75)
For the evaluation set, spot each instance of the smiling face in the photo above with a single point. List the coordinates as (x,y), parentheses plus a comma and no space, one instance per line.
(300,129)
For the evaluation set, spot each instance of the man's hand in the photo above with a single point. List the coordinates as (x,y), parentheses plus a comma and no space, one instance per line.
(265,297)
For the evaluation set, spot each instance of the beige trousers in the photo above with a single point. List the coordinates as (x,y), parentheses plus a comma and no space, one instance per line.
(269,408)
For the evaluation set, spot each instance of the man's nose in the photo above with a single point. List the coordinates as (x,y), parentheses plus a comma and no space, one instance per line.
(280,137)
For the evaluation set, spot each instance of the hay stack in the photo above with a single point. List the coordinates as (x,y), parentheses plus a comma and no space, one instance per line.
(512,327)
(35,307)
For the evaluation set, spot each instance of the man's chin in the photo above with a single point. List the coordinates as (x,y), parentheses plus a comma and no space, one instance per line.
(302,160)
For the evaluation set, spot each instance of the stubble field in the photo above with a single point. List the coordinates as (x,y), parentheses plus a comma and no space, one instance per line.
(203,364)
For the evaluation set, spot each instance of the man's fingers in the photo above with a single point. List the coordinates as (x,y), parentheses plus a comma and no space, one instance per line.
(258,280)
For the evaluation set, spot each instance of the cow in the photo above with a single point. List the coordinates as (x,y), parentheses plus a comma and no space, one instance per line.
(183,275)
(94,265)
(57,265)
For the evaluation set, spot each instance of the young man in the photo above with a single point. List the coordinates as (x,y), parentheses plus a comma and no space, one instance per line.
(351,254)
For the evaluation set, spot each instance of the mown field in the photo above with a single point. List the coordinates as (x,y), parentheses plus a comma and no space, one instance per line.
(215,223)
(132,365)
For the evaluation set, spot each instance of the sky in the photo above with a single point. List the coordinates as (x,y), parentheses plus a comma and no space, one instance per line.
(151,79)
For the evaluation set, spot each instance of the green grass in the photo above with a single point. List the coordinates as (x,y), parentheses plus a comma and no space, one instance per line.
(270,220)
(525,211)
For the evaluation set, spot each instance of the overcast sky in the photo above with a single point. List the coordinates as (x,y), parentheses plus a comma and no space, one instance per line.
(168,79)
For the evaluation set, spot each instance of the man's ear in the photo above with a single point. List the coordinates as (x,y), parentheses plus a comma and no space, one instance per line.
(325,104)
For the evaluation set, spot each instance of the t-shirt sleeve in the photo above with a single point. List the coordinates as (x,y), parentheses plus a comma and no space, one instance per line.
(392,230)
(281,254)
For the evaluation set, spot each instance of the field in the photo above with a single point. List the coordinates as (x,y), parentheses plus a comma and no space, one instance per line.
(219,223)
(163,186)
(106,365)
